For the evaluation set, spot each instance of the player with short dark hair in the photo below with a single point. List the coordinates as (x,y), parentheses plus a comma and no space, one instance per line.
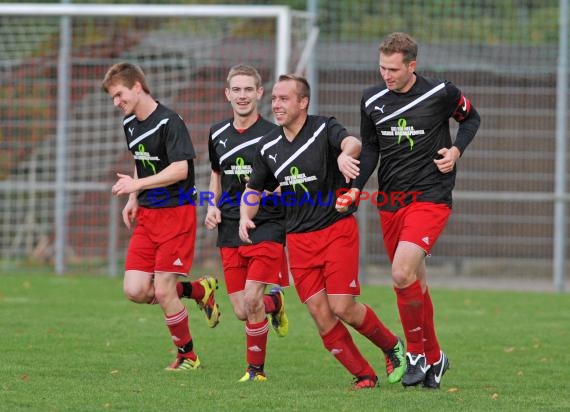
(405,123)
(248,268)
(162,243)
(311,158)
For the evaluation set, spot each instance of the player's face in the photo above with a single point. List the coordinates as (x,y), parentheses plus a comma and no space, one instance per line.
(243,95)
(398,76)
(124,98)
(286,103)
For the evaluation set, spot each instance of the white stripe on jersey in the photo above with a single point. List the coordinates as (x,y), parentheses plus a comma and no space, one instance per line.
(128,119)
(239,147)
(147,134)
(377,95)
(301,149)
(412,104)
(217,133)
(269,144)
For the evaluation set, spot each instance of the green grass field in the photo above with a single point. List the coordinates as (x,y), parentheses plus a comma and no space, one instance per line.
(75,344)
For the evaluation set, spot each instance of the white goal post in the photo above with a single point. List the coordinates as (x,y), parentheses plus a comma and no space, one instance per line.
(281,13)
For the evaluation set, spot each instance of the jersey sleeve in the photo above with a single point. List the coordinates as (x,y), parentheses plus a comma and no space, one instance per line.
(370,152)
(336,133)
(261,177)
(214,160)
(177,139)
(465,114)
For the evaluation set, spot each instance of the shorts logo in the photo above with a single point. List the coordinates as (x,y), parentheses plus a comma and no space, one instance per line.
(352,284)
(425,240)
(177,262)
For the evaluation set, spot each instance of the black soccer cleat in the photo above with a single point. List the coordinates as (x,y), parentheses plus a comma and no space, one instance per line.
(416,369)
(436,372)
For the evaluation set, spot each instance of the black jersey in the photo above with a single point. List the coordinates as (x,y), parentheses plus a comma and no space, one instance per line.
(307,171)
(407,130)
(232,154)
(156,142)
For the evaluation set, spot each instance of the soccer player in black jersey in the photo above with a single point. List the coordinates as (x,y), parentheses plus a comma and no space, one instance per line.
(161,193)
(405,123)
(311,158)
(248,268)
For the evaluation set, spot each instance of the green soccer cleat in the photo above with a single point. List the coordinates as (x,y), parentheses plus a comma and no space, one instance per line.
(253,376)
(208,303)
(279,320)
(184,364)
(395,362)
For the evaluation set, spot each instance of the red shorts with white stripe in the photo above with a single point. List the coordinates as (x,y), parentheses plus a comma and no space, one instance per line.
(163,240)
(263,262)
(325,259)
(420,223)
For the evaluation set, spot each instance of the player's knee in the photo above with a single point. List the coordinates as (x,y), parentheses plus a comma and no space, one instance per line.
(253,305)
(240,313)
(134,295)
(402,277)
(345,312)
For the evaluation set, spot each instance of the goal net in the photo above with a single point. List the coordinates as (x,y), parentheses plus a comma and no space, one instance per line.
(61,137)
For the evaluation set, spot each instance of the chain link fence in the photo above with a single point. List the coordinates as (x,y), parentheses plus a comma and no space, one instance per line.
(503,54)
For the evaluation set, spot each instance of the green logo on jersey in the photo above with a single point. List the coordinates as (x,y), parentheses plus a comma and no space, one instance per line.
(240,170)
(145,159)
(297,177)
(403,131)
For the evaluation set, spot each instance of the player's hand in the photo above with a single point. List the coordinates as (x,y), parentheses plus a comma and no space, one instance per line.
(125,185)
(213,217)
(245,225)
(130,212)
(447,159)
(345,200)
(348,166)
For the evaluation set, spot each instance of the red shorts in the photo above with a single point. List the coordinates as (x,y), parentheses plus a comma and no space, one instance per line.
(325,259)
(420,223)
(163,240)
(263,262)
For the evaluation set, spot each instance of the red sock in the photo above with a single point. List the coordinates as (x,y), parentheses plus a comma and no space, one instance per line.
(340,344)
(198,291)
(180,332)
(256,342)
(411,307)
(376,331)
(270,305)
(431,344)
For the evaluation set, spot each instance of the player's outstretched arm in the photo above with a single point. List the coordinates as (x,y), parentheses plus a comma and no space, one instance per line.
(348,159)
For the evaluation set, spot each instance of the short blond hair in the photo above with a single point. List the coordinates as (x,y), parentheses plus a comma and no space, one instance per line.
(126,74)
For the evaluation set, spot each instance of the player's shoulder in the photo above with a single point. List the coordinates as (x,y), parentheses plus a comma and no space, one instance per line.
(429,82)
(373,93)
(315,122)
(264,126)
(165,111)
(442,86)
(220,127)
